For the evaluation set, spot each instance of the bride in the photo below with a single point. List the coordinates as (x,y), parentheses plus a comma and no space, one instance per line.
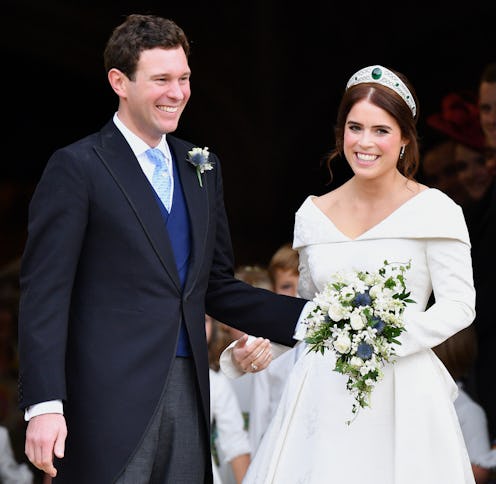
(410,433)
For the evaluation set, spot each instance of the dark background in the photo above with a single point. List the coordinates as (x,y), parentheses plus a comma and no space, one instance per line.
(267,79)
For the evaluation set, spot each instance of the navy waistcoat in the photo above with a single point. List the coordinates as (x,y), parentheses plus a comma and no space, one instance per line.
(178,227)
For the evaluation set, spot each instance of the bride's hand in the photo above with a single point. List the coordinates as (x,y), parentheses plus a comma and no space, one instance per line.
(251,357)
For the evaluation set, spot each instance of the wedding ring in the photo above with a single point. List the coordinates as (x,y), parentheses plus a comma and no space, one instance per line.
(254,367)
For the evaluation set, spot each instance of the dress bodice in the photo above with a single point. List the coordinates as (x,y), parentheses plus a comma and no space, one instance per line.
(400,237)
(429,230)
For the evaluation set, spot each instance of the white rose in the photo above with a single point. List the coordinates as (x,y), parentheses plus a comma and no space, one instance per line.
(356,362)
(342,344)
(375,291)
(364,370)
(335,312)
(356,320)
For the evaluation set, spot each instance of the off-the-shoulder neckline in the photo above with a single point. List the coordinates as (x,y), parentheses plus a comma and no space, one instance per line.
(406,203)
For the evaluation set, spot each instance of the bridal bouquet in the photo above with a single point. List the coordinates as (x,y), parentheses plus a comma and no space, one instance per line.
(358,315)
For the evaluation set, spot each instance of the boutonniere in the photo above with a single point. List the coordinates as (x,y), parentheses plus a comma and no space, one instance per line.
(198,157)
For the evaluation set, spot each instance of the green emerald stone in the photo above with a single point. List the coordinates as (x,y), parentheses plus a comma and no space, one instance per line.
(376,73)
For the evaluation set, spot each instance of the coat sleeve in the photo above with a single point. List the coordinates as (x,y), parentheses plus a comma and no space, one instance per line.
(56,227)
(233,302)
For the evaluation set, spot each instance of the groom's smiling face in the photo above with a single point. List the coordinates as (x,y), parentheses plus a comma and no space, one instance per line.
(152,102)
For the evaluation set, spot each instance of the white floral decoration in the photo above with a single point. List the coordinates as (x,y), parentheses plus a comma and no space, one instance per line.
(359,316)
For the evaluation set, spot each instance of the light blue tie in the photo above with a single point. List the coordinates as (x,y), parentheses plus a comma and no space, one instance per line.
(161,179)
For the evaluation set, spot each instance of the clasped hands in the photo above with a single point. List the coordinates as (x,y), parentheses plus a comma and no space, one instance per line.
(252,356)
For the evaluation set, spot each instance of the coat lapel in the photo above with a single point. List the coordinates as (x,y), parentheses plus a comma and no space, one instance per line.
(197,203)
(122,165)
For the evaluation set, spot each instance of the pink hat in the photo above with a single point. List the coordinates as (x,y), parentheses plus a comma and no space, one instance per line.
(459,119)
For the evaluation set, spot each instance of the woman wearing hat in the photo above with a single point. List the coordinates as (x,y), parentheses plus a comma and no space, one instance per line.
(459,121)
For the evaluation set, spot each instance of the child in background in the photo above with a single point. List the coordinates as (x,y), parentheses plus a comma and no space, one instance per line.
(458,354)
(257,276)
(283,270)
(230,438)
(268,385)
(10,471)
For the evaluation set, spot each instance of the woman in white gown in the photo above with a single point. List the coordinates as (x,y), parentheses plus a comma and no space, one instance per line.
(410,434)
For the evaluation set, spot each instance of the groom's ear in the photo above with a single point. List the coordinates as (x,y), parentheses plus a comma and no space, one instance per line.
(118,81)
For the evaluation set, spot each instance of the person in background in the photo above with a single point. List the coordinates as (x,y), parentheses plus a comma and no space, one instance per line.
(11,472)
(268,385)
(259,393)
(459,121)
(11,418)
(257,276)
(437,171)
(410,433)
(458,354)
(128,248)
(487,109)
(283,270)
(231,439)
(482,226)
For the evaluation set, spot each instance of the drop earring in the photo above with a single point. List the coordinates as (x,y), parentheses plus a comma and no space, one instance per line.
(402,151)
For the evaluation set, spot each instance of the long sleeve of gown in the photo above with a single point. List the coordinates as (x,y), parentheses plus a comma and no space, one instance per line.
(450,267)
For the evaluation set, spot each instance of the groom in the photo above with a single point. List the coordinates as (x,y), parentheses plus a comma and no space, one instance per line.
(116,279)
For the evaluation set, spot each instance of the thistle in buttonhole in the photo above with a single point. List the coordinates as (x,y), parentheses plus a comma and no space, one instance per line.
(198,157)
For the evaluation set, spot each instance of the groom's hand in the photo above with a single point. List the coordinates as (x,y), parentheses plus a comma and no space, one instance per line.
(252,356)
(45,437)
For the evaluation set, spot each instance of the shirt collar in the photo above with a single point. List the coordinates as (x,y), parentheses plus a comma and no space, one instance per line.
(137,144)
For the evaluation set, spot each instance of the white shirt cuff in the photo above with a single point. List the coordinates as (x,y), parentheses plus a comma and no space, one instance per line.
(52,406)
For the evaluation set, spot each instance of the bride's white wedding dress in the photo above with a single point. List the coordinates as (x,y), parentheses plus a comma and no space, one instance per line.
(410,434)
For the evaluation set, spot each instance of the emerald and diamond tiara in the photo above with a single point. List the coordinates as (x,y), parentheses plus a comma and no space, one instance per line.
(382,75)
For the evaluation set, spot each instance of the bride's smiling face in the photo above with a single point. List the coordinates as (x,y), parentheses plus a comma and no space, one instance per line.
(372,140)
